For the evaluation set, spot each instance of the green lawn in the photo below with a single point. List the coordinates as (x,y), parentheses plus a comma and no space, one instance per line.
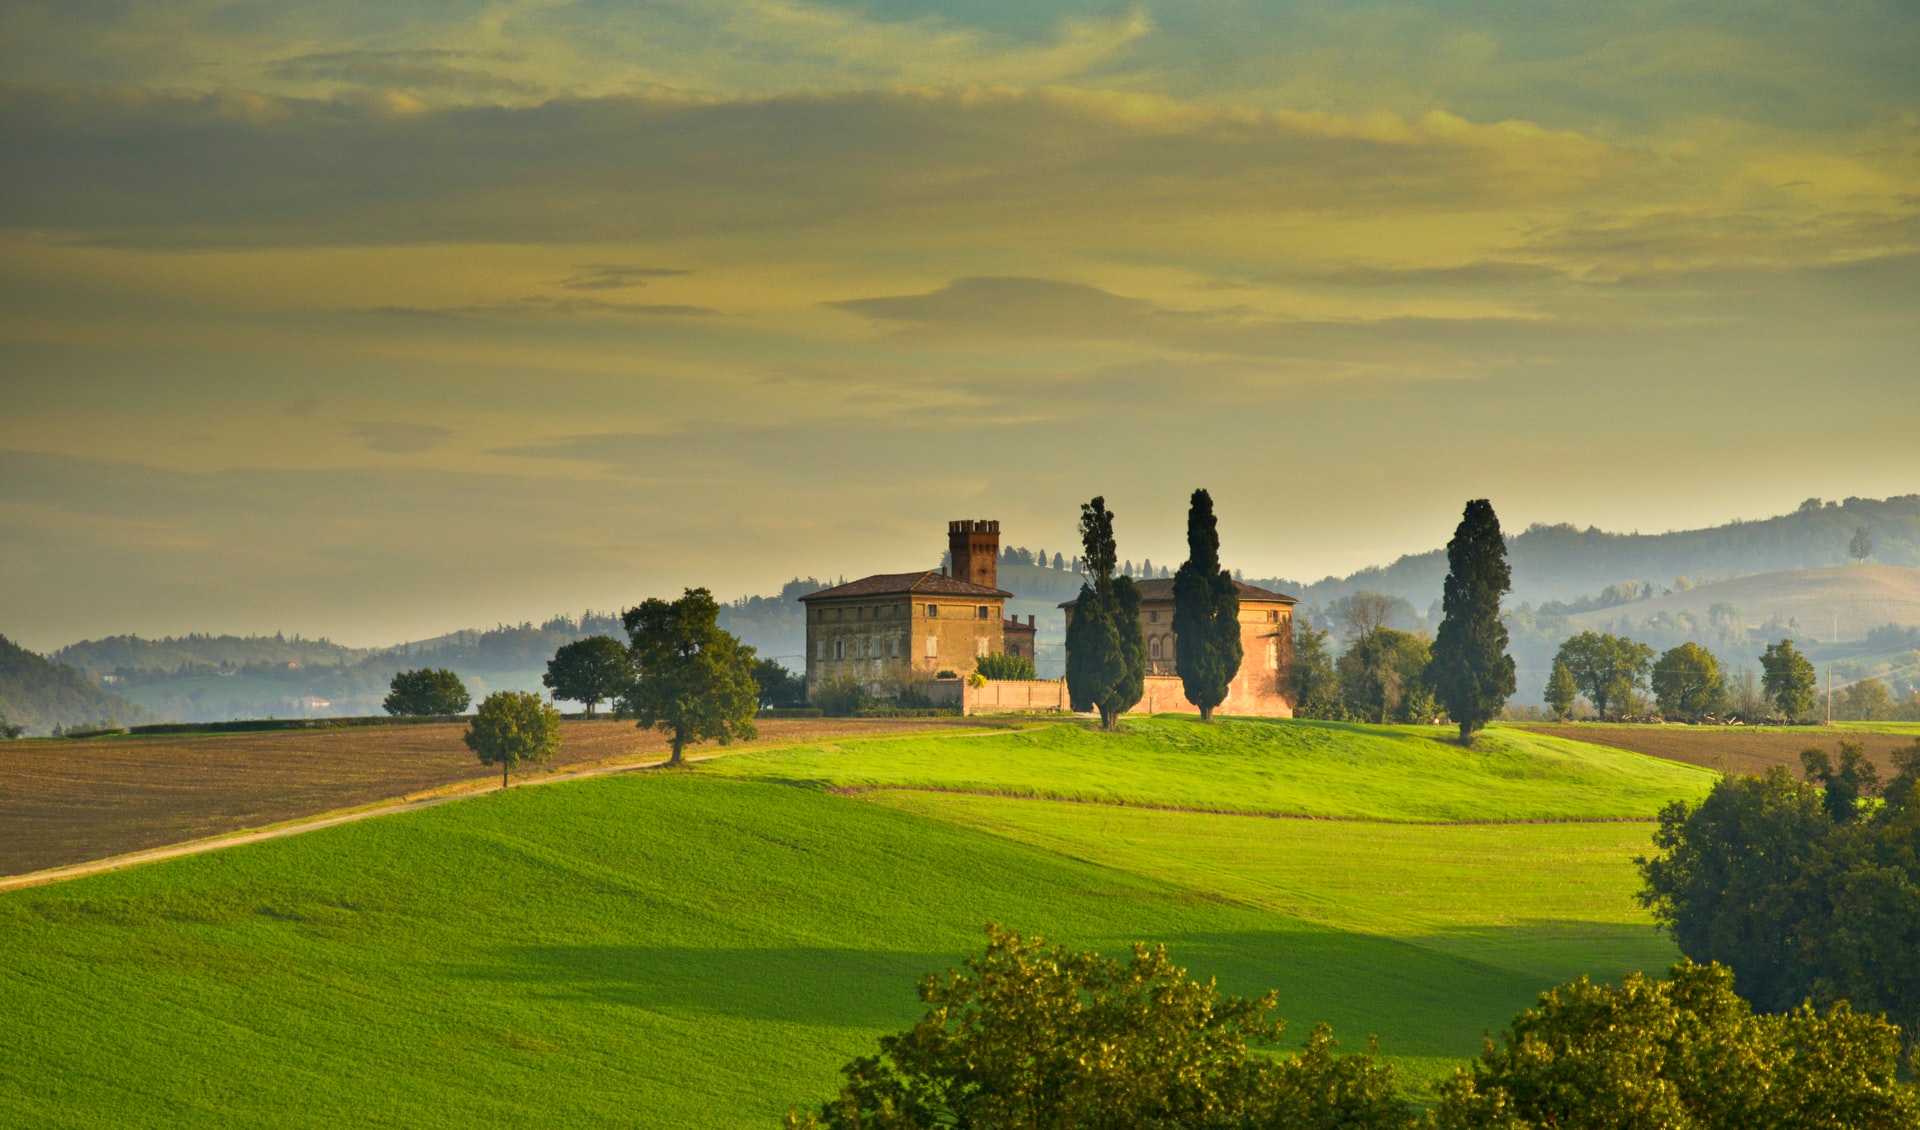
(691,950)
(1305,768)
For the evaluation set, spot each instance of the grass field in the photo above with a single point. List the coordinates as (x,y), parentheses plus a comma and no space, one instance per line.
(1742,749)
(1294,768)
(65,801)
(698,949)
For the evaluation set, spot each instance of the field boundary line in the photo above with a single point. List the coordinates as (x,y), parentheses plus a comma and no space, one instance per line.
(858,790)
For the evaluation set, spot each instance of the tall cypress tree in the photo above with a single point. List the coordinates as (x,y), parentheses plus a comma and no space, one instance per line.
(1471,672)
(1106,648)
(1206,613)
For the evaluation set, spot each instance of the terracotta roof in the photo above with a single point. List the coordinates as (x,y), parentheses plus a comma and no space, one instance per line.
(927,583)
(1159,590)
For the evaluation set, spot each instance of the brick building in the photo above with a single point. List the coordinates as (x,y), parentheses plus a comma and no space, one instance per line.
(1261,688)
(893,629)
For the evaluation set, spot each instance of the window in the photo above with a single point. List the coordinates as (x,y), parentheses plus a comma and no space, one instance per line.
(1273,655)
(933,647)
(980,646)
(1153,617)
(1153,647)
(896,647)
(933,610)
(983,612)
(839,649)
(819,649)
(1273,617)
(839,614)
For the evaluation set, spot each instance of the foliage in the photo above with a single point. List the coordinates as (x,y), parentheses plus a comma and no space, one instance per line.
(780,689)
(513,728)
(1206,613)
(1686,683)
(693,680)
(1471,673)
(38,694)
(1606,668)
(1789,679)
(1035,1038)
(1106,647)
(1316,683)
(841,696)
(589,671)
(429,692)
(1805,892)
(1684,1053)
(1861,547)
(1000,665)
(8,729)
(1383,677)
(1561,691)
(1866,701)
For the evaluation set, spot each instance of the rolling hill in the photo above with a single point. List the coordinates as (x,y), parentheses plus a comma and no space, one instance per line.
(1841,602)
(41,695)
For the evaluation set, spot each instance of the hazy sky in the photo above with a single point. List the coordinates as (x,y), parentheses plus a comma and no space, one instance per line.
(376,320)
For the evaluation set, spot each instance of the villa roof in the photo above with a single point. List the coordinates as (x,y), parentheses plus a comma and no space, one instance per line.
(929,582)
(1159,590)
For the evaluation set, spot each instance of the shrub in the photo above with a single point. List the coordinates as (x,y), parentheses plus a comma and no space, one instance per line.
(1002,666)
(841,696)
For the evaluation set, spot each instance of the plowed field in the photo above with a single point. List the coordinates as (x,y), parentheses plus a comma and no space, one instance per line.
(1732,750)
(67,801)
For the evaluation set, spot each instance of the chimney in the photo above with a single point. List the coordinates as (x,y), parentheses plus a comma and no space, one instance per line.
(1029,619)
(975,549)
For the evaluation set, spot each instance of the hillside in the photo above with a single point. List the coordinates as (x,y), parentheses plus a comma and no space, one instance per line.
(1841,602)
(40,694)
(693,951)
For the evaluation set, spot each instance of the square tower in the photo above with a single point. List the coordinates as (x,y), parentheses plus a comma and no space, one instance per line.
(975,548)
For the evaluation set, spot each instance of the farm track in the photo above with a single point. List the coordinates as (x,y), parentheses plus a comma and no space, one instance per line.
(115,801)
(1753,750)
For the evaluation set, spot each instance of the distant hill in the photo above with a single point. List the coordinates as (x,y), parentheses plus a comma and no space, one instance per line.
(40,694)
(1563,563)
(1842,602)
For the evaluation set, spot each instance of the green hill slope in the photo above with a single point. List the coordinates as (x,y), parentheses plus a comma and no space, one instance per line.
(41,695)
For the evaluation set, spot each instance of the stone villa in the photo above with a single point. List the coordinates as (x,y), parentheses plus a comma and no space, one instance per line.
(1261,688)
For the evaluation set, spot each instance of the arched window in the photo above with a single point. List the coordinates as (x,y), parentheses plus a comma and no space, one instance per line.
(1153,647)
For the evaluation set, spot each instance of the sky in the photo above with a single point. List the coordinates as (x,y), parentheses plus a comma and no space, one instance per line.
(376,320)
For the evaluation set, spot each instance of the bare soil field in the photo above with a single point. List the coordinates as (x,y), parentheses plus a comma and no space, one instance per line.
(67,801)
(1734,750)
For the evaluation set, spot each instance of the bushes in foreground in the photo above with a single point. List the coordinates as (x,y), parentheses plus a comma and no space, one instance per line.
(1031,1037)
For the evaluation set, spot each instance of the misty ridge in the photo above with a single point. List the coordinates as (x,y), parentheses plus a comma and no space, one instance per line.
(1663,589)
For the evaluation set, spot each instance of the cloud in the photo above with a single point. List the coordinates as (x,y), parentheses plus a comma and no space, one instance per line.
(1010,305)
(395,438)
(538,306)
(615,276)
(427,69)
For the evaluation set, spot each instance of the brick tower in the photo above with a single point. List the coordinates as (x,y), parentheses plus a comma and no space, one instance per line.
(975,549)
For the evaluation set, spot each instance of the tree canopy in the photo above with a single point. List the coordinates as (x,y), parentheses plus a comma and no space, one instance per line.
(1106,647)
(1789,679)
(1561,691)
(1206,613)
(1471,673)
(1861,547)
(589,671)
(1383,677)
(693,680)
(1687,684)
(1031,1037)
(1316,681)
(513,728)
(426,693)
(1607,668)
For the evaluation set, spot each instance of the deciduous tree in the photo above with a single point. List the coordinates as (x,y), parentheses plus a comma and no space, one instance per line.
(778,686)
(1028,1037)
(1686,683)
(693,679)
(513,728)
(590,671)
(426,693)
(1789,679)
(1862,544)
(1471,673)
(1206,613)
(1606,668)
(1316,682)
(1561,691)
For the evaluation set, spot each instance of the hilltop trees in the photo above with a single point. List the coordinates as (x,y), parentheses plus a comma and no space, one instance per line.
(589,671)
(1206,613)
(1040,1038)
(513,728)
(1789,679)
(1606,668)
(1687,685)
(426,693)
(1106,648)
(693,680)
(1471,673)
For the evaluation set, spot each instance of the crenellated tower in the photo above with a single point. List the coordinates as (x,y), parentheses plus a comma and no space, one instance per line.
(974,546)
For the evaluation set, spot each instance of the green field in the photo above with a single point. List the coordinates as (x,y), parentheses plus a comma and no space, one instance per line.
(702,950)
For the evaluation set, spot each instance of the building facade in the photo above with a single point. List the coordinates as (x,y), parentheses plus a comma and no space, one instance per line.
(1263,685)
(892,630)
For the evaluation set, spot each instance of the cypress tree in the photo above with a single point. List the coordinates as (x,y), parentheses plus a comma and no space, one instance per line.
(1206,613)
(1471,672)
(1106,648)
